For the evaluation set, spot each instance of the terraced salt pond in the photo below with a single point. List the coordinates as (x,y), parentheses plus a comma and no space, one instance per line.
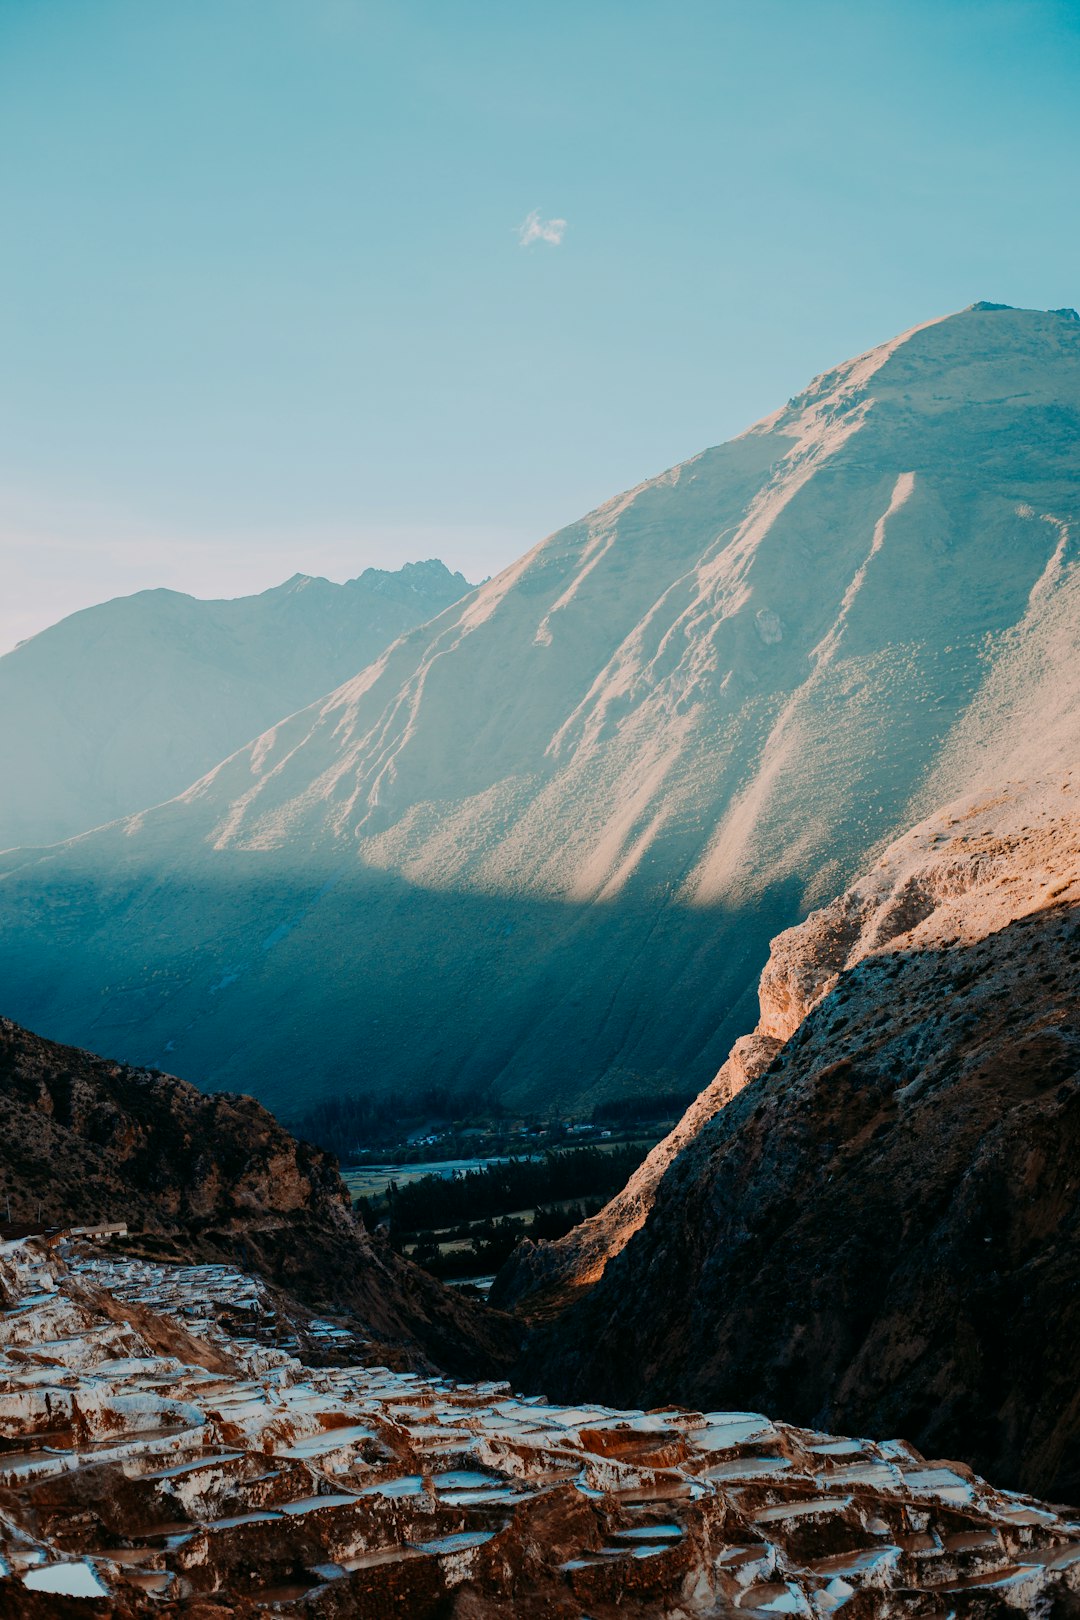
(343,1490)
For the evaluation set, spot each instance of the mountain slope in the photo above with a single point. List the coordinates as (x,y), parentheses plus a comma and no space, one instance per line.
(582,801)
(199,1178)
(125,704)
(881,1231)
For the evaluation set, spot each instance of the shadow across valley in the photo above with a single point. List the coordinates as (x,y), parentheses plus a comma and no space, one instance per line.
(294,983)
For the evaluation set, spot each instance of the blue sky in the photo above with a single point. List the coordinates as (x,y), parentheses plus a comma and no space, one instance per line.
(265,304)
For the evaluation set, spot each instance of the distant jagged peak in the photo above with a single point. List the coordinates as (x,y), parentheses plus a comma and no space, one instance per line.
(429,577)
(80,748)
(295,582)
(430,574)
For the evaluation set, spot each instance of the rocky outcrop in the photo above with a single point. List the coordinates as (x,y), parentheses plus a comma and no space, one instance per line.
(881,1232)
(84,1140)
(542,1277)
(152,1479)
(584,799)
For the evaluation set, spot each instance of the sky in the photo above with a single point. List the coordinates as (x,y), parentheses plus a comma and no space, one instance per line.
(322,284)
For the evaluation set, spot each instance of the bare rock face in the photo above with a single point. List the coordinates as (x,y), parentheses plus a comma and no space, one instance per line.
(163,1457)
(84,1140)
(881,1232)
(543,1277)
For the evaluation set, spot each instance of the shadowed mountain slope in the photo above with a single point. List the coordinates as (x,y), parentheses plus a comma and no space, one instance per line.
(199,1178)
(541,845)
(881,1231)
(125,704)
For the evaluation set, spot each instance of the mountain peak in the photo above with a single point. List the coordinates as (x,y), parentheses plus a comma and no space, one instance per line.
(983,305)
(583,798)
(431,574)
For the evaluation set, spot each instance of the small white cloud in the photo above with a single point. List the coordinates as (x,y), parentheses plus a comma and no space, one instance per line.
(534,229)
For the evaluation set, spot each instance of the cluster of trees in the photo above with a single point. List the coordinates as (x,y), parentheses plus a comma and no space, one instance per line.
(492,1242)
(362,1128)
(665,1105)
(434,1202)
(347,1126)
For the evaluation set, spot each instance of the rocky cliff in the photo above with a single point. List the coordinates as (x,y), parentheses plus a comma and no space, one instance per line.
(200,1177)
(881,1231)
(584,799)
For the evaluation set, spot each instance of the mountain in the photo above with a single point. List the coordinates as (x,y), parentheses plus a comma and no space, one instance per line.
(124,705)
(880,1231)
(541,845)
(216,1180)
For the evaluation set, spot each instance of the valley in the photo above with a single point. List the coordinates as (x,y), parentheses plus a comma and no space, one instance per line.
(537,850)
(464,1218)
(540,810)
(664,966)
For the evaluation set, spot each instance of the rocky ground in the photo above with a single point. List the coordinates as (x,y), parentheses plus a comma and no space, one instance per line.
(165,1451)
(872,1222)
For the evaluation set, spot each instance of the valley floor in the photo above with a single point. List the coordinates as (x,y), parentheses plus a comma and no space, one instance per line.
(166,1450)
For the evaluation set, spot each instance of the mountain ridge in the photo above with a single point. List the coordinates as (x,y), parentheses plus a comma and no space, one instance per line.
(122,705)
(584,799)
